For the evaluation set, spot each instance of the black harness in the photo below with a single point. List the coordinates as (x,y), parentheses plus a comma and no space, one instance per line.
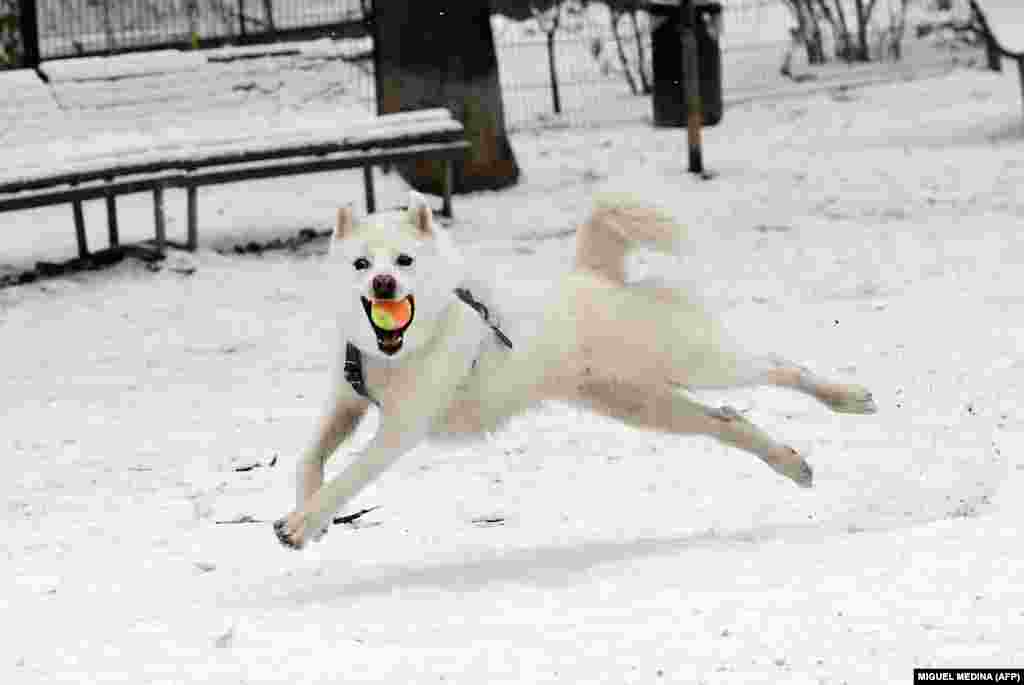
(354,357)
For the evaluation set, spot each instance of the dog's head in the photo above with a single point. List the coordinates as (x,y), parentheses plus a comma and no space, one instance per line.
(397,270)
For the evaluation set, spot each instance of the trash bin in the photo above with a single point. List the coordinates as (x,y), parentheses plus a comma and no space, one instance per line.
(669,93)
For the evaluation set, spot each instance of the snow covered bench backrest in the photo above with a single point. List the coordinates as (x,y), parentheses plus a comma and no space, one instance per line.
(222,142)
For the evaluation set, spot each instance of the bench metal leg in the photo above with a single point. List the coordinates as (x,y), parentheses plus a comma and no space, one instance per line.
(446,189)
(193,218)
(83,241)
(112,230)
(371,200)
(160,218)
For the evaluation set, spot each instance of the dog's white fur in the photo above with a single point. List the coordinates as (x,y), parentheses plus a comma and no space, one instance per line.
(628,351)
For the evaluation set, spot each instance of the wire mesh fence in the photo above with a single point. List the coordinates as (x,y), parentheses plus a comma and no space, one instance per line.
(600,54)
(602,59)
(70,28)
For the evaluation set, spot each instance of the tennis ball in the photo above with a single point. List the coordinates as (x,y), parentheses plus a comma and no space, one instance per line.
(390,315)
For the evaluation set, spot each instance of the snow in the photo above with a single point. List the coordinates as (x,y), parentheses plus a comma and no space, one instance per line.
(23,90)
(1006,21)
(872,234)
(123,66)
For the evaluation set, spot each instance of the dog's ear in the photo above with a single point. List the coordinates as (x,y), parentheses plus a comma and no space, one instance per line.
(345,222)
(420,214)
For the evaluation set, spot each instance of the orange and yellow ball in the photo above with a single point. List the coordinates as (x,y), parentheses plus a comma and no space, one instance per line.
(391,315)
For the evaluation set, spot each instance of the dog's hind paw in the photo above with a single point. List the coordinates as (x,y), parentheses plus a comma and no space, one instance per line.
(851,399)
(800,472)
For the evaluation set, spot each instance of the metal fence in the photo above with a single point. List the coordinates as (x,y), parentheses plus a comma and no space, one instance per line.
(69,28)
(602,59)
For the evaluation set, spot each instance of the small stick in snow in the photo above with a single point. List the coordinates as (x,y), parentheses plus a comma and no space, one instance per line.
(256,465)
(349,518)
(488,521)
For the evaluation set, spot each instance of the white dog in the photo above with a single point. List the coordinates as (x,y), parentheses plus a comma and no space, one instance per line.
(430,351)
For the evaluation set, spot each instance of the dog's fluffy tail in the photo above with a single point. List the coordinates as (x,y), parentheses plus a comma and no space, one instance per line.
(618,222)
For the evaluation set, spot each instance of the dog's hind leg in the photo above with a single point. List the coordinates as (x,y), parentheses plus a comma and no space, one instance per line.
(667,411)
(843,398)
(732,428)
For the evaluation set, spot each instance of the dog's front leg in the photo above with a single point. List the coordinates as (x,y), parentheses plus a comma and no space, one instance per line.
(394,438)
(409,404)
(337,425)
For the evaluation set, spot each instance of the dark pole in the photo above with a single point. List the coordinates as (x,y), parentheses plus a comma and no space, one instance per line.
(694,107)
(29,21)
(241,18)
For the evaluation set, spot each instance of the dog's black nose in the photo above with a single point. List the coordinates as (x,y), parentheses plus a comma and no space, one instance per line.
(384,286)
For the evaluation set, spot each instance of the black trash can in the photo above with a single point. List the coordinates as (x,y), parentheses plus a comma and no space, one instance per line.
(669,97)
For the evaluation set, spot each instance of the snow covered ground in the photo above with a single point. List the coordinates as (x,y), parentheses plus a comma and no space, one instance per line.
(873,234)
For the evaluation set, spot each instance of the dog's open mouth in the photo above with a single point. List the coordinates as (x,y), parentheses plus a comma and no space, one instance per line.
(390,319)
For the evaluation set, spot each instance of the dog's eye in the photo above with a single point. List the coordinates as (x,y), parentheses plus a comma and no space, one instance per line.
(361,264)
(404,260)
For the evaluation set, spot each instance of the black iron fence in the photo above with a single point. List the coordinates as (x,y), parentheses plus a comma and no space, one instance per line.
(75,28)
(599,54)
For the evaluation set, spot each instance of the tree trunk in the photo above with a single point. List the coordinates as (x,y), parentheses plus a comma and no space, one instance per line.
(807,34)
(815,41)
(899,31)
(616,15)
(641,56)
(413,72)
(810,31)
(840,29)
(864,13)
(862,31)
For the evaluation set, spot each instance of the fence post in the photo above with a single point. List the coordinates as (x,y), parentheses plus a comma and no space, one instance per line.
(691,86)
(28,20)
(241,18)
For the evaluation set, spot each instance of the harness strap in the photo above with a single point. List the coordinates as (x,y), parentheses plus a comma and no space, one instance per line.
(354,372)
(485,314)
(354,357)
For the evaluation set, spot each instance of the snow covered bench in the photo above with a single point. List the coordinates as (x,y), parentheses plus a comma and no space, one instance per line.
(90,167)
(1002,22)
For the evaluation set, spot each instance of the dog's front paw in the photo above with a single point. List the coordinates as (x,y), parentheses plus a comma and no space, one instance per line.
(291,530)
